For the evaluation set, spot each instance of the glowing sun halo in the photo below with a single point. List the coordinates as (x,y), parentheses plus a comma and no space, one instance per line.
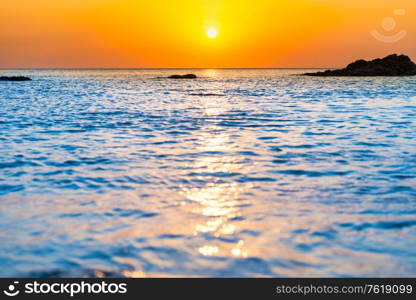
(212,33)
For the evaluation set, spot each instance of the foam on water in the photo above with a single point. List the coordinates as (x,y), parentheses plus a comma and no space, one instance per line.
(238,173)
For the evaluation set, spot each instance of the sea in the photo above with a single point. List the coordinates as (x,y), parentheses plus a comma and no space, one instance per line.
(238,173)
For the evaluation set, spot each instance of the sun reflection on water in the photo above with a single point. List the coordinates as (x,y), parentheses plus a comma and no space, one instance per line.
(218,200)
(210,73)
(218,205)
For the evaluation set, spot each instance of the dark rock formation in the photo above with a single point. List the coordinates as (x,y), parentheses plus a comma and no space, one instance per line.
(206,94)
(186,76)
(392,65)
(14,78)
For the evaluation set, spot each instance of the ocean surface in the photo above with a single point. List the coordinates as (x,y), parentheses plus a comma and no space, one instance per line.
(239,173)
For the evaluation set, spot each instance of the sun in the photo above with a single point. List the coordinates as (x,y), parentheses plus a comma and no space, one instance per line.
(212,33)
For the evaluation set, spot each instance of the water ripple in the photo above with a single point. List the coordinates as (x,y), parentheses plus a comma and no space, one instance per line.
(112,173)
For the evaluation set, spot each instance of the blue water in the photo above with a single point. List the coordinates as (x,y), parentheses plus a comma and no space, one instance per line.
(237,173)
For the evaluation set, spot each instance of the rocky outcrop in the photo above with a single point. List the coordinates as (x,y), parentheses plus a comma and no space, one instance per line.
(392,65)
(206,94)
(14,78)
(186,76)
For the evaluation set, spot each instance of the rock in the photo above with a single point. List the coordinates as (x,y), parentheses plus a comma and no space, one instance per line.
(392,65)
(14,78)
(206,94)
(186,76)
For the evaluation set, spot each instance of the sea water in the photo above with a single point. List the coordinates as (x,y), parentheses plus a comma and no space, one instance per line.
(236,173)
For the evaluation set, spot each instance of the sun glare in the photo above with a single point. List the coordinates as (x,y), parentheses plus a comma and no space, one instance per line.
(212,33)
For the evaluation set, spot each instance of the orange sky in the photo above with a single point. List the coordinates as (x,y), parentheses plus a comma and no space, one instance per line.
(167,33)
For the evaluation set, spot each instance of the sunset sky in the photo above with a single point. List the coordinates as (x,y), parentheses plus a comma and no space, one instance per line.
(200,33)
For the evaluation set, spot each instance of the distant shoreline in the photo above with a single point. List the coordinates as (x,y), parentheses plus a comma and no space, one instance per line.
(69,69)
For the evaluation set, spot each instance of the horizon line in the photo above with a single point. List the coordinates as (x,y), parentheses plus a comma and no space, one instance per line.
(179,68)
